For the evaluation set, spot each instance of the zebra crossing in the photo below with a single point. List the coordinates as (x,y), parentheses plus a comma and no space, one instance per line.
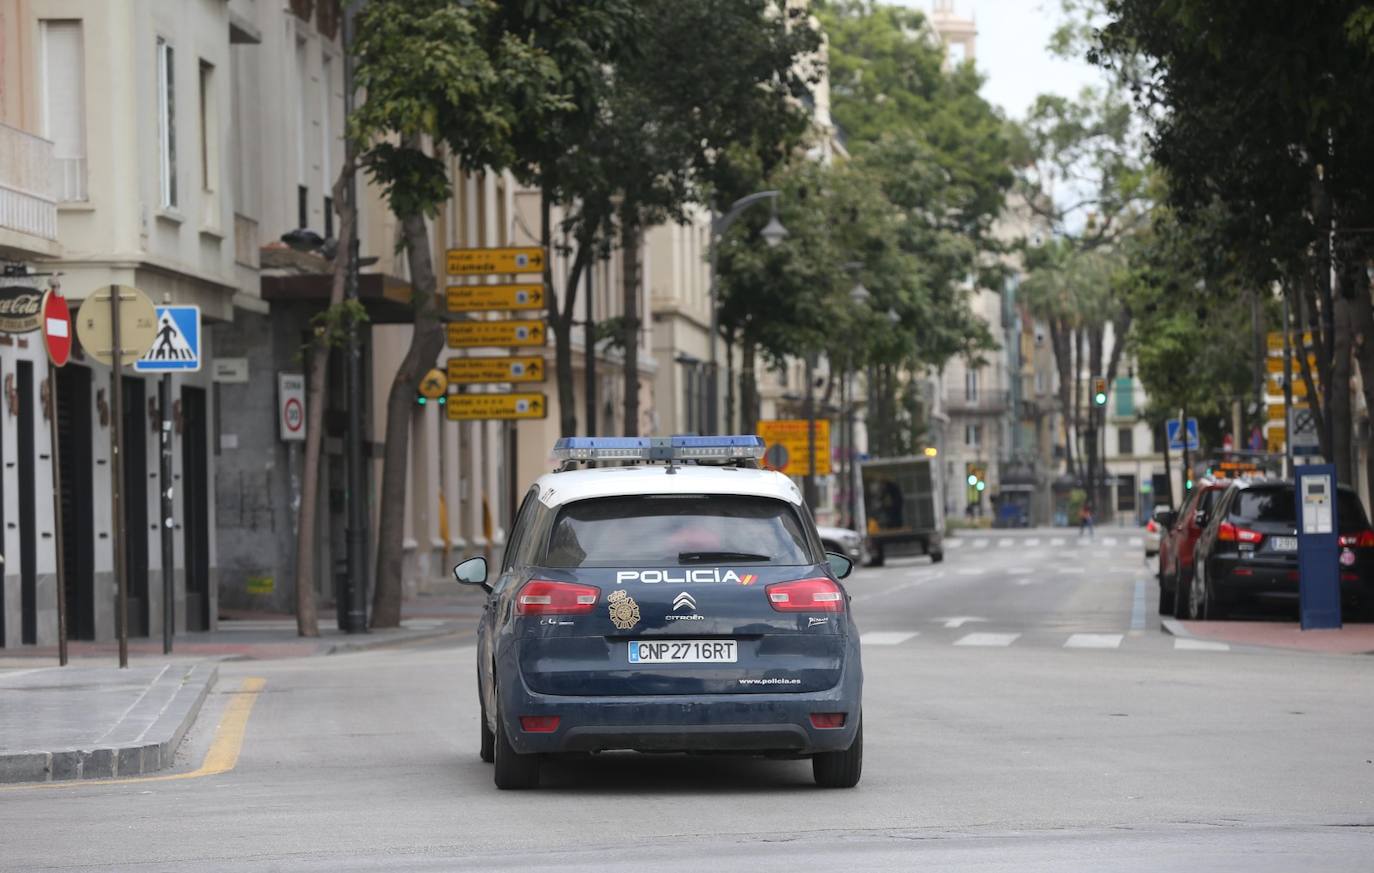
(1004,639)
(984,542)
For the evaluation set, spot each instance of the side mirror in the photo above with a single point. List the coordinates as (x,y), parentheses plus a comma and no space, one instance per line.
(1200,518)
(1167,518)
(839,564)
(473,571)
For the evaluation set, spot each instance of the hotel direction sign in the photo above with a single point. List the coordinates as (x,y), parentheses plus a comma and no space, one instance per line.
(476,371)
(496,261)
(496,407)
(481,298)
(476,334)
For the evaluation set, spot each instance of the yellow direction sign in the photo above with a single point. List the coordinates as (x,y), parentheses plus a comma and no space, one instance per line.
(1274,385)
(474,334)
(1274,340)
(137,324)
(485,407)
(434,384)
(787,440)
(474,371)
(479,298)
(1276,438)
(489,262)
(1275,365)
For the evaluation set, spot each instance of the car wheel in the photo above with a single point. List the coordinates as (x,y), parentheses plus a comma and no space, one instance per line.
(877,559)
(936,557)
(1166,599)
(841,769)
(1183,598)
(513,771)
(487,752)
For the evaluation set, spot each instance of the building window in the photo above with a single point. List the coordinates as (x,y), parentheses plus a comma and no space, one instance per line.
(1125,493)
(328,217)
(326,122)
(971,386)
(1125,441)
(208,151)
(302,206)
(64,104)
(973,435)
(166,121)
(1125,398)
(1158,435)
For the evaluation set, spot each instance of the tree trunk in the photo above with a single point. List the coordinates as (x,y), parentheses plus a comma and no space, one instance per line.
(1362,338)
(425,344)
(1059,345)
(749,409)
(1314,401)
(1341,429)
(307,620)
(1097,417)
(629,259)
(560,322)
(729,383)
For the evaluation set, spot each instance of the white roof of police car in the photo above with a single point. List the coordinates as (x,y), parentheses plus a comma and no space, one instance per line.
(556,489)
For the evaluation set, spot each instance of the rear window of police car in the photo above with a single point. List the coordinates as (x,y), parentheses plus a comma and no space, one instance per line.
(674,529)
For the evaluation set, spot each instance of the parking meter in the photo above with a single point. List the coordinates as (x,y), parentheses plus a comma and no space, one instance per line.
(1319,578)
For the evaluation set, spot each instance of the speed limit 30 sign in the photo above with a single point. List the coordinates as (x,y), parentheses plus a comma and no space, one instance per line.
(291,406)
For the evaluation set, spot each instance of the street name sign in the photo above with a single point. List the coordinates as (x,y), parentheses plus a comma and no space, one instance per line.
(495,261)
(1176,436)
(489,407)
(137,324)
(477,371)
(786,441)
(474,334)
(480,298)
(176,347)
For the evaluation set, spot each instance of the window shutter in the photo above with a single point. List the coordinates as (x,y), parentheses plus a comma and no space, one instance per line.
(64,104)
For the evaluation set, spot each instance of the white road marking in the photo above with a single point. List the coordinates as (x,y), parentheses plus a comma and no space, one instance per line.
(1026,581)
(953,544)
(1109,541)
(1020,571)
(980,544)
(959,621)
(1056,541)
(1093,641)
(1136,541)
(986,639)
(886,638)
(971,571)
(1072,571)
(1182,644)
(1032,541)
(1004,542)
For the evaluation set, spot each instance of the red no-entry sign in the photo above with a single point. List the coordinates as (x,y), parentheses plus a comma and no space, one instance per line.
(57,328)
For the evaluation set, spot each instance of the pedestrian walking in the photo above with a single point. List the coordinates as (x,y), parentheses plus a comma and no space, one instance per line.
(1085,521)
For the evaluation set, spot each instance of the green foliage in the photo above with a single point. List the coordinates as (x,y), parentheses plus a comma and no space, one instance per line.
(331,324)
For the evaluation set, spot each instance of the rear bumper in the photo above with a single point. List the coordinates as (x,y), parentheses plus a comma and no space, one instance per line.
(1239,581)
(751,723)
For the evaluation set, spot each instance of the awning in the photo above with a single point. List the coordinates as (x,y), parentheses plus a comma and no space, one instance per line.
(386,298)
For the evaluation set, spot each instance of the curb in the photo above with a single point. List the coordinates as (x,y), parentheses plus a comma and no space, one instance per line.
(1174,627)
(144,741)
(373,641)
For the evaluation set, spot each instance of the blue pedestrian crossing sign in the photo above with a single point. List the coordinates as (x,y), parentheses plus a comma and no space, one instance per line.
(1176,438)
(176,346)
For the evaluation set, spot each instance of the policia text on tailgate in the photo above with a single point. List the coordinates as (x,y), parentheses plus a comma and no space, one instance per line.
(681,603)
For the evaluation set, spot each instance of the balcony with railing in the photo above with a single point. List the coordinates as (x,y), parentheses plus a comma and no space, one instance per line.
(28,207)
(988,402)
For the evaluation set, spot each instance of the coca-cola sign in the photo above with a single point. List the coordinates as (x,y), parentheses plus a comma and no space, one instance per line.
(21,309)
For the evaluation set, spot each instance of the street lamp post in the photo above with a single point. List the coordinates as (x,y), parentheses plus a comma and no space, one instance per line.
(356,526)
(773,233)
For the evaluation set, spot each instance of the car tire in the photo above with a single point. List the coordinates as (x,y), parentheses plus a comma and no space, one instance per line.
(1166,599)
(936,557)
(841,769)
(513,771)
(487,751)
(877,559)
(1183,599)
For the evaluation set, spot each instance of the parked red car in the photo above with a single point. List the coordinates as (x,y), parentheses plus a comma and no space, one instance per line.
(1176,546)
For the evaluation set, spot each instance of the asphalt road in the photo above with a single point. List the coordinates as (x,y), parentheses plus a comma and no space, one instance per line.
(1023,712)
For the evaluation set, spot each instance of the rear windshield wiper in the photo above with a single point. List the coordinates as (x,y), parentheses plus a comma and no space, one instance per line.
(702,557)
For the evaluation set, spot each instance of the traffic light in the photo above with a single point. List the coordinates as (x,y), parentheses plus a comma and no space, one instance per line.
(1188,479)
(972,477)
(1099,391)
(420,399)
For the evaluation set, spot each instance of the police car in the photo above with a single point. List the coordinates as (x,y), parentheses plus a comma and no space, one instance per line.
(678,602)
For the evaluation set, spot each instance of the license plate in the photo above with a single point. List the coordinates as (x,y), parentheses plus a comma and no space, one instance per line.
(683,652)
(1283,544)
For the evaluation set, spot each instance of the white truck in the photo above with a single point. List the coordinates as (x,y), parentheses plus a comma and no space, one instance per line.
(902,507)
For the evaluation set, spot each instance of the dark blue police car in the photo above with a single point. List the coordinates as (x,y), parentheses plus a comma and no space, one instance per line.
(682,603)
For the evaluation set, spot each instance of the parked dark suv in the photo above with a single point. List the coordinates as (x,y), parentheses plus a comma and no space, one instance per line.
(1247,556)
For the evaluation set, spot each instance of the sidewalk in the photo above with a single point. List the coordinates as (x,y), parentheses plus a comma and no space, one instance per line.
(246,635)
(68,723)
(1352,639)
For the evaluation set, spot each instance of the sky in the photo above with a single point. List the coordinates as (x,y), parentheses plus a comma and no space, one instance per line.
(1011,53)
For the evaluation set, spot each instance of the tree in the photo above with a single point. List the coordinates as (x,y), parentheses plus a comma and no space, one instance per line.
(437,79)
(1258,108)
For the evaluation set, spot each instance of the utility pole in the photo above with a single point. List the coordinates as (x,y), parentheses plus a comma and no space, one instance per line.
(589,344)
(117,473)
(167,530)
(810,485)
(357,525)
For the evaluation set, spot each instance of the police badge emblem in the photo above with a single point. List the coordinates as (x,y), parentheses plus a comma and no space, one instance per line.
(624,610)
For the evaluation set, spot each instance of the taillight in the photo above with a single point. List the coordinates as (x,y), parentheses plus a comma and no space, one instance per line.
(1364,539)
(1151,526)
(539,724)
(1230,533)
(541,597)
(827,720)
(806,595)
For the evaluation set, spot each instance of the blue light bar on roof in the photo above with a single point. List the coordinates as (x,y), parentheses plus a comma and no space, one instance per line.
(677,448)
